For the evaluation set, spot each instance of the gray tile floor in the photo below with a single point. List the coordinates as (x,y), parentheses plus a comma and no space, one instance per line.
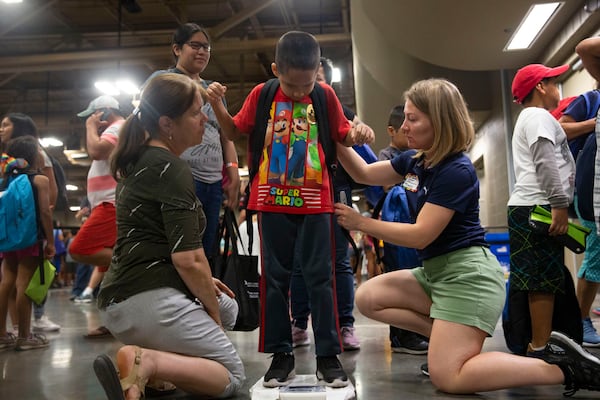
(63,371)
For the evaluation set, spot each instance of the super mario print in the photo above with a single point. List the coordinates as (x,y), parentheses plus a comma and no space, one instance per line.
(290,173)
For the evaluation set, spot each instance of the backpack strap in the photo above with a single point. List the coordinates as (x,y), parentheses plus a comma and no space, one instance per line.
(375,215)
(320,106)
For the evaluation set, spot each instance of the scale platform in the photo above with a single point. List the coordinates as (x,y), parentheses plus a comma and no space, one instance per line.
(303,387)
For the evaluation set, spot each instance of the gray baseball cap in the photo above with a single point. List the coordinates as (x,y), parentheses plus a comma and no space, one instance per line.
(98,104)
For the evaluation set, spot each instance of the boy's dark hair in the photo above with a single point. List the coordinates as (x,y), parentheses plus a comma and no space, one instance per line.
(396,117)
(25,147)
(327,65)
(23,125)
(297,50)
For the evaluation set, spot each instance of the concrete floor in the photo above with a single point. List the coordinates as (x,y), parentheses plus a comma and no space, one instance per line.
(64,369)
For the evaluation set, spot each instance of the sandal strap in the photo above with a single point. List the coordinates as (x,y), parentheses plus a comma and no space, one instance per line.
(133,378)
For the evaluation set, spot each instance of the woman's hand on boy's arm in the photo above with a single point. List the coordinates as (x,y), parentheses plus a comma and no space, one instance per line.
(360,134)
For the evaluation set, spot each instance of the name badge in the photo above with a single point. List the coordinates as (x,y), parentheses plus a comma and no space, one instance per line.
(411,182)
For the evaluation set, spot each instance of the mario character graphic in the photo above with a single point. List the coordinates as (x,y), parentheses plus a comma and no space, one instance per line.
(314,169)
(279,144)
(297,159)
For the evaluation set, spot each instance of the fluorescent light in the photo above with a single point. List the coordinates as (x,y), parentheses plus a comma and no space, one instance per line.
(127,86)
(336,75)
(12,1)
(74,208)
(71,188)
(355,198)
(534,22)
(107,87)
(50,142)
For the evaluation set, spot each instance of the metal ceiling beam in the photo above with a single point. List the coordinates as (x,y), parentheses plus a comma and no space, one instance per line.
(230,23)
(96,59)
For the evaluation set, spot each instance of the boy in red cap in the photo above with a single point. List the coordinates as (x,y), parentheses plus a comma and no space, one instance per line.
(544,171)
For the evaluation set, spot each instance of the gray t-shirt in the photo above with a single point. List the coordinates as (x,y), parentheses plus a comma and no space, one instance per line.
(206,158)
(157,214)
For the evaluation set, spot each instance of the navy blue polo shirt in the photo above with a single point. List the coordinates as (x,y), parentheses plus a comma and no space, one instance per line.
(451,184)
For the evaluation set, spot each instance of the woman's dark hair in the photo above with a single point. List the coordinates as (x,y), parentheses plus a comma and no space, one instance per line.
(25,147)
(184,33)
(166,94)
(23,125)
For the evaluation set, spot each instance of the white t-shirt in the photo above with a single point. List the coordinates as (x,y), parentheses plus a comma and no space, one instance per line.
(100,183)
(534,123)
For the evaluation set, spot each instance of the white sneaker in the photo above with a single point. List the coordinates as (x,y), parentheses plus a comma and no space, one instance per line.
(44,325)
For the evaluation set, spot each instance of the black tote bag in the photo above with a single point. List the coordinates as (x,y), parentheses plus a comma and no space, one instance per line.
(240,273)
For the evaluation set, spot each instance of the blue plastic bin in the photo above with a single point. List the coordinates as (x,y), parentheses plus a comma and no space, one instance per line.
(500,247)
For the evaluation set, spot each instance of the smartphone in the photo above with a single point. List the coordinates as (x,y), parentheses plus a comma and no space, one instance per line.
(343,198)
(105,115)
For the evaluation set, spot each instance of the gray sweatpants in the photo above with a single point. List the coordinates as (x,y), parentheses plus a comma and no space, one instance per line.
(167,320)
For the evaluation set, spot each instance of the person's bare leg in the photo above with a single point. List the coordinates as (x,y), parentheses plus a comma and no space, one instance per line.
(396,298)
(586,294)
(541,308)
(26,268)
(193,375)
(7,291)
(456,364)
(12,308)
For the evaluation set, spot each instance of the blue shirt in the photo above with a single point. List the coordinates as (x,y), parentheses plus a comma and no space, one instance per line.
(583,108)
(452,184)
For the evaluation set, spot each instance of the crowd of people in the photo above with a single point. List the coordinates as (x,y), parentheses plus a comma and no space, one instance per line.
(159,179)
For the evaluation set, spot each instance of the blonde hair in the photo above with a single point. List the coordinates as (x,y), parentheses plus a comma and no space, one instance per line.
(442,102)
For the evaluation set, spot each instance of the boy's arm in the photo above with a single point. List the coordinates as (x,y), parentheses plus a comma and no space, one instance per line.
(215,93)
(589,52)
(359,134)
(574,129)
(549,178)
(230,159)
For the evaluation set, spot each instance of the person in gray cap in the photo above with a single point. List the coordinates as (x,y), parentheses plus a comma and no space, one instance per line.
(96,238)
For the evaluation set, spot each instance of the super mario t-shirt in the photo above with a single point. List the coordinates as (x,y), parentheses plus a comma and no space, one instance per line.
(292,177)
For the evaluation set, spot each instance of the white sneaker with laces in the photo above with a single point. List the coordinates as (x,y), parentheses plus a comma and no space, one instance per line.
(44,325)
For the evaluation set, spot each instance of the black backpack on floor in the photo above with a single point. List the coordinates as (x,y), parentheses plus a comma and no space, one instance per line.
(516,320)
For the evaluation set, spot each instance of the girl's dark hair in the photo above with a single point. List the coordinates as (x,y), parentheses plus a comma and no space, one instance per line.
(297,50)
(166,94)
(24,147)
(184,33)
(23,125)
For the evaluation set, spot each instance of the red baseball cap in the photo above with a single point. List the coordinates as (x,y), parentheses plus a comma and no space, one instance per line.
(530,75)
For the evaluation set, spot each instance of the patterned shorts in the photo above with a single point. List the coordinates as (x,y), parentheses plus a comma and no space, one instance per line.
(535,260)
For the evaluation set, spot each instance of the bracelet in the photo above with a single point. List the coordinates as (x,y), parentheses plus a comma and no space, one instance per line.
(231,164)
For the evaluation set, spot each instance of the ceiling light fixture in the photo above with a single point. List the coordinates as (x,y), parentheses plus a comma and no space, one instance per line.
(115,88)
(12,1)
(530,27)
(336,75)
(50,142)
(71,188)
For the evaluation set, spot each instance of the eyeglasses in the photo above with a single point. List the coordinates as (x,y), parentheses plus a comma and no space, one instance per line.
(199,45)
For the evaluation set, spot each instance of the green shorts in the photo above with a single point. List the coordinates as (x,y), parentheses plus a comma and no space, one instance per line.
(466,286)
